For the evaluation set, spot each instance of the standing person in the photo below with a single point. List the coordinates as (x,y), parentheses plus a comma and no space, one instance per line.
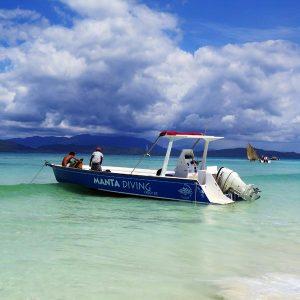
(96,160)
(69,160)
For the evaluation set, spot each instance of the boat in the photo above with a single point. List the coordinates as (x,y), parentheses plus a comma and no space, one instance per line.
(274,158)
(147,151)
(189,181)
(253,156)
(265,160)
(251,153)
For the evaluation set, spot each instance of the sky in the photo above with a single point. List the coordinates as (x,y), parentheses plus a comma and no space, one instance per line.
(228,68)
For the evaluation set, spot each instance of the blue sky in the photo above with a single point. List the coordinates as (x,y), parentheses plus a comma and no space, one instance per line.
(230,67)
(214,22)
(219,22)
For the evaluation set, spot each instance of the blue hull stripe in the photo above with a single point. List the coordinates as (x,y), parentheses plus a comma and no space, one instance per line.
(168,188)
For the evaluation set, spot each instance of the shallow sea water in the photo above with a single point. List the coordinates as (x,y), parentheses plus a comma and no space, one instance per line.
(64,242)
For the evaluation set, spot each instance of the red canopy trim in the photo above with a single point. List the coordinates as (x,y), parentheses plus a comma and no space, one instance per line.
(174,133)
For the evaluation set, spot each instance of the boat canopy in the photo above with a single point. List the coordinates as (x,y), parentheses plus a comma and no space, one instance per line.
(176,135)
(173,133)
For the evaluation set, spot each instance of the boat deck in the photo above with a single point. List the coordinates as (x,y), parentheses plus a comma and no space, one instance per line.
(124,170)
(147,172)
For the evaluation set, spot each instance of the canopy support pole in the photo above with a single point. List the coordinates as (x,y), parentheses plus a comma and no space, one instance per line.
(202,173)
(167,157)
(195,144)
(203,164)
(148,152)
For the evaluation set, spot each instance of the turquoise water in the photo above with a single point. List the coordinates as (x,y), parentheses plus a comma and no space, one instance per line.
(61,242)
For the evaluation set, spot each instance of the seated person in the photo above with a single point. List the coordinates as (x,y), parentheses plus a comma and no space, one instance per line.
(77,164)
(96,160)
(71,161)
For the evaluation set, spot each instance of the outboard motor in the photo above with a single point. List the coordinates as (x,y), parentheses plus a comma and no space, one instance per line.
(230,182)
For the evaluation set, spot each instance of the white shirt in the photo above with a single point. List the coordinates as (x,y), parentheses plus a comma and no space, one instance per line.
(96,157)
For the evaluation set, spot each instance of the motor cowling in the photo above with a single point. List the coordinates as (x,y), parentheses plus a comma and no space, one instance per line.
(230,181)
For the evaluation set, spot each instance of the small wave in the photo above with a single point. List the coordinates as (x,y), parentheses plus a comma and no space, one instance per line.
(30,189)
(274,177)
(24,188)
(268,286)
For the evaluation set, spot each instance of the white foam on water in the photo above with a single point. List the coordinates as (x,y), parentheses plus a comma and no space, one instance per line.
(268,286)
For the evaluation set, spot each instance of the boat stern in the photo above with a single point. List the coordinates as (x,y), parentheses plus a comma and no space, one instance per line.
(224,186)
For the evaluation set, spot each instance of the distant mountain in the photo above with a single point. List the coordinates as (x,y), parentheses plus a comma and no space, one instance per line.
(38,141)
(103,140)
(84,143)
(90,148)
(112,144)
(9,146)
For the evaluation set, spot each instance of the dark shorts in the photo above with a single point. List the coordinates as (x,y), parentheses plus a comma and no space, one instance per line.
(96,167)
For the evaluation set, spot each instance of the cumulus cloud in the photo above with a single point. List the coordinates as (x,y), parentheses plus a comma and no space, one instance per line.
(99,9)
(119,68)
(20,14)
(20,25)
